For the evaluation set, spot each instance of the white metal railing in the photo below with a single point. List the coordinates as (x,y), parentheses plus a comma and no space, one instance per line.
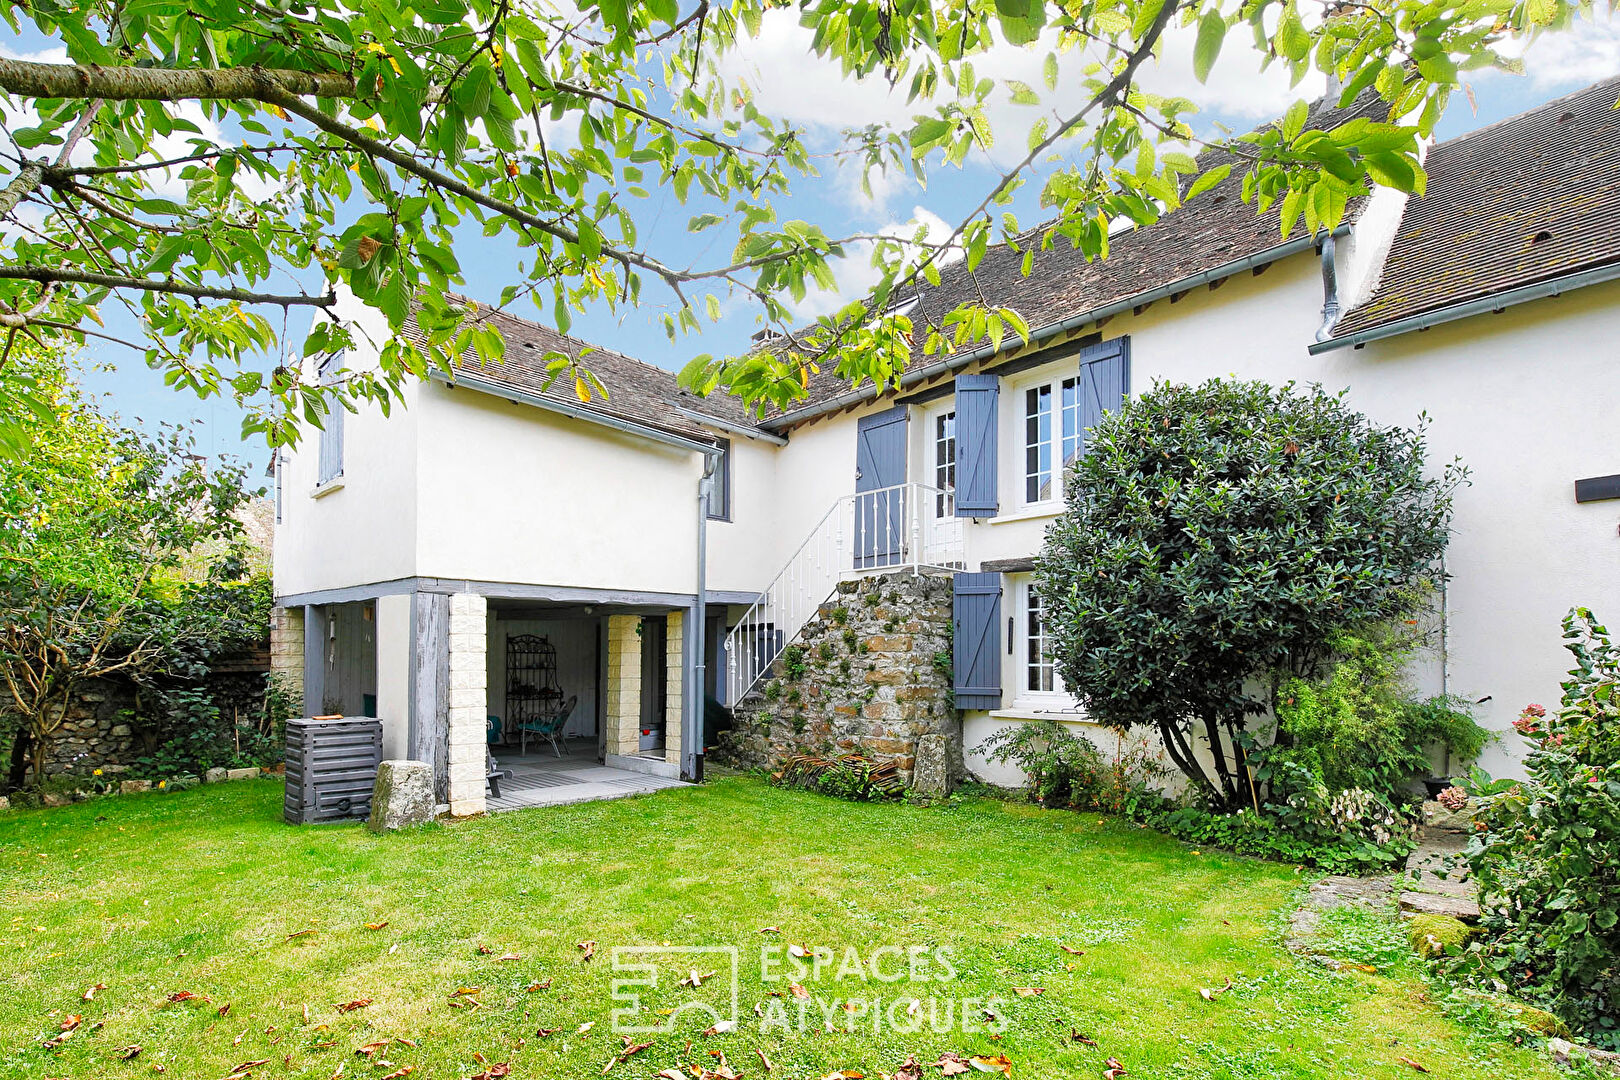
(907,526)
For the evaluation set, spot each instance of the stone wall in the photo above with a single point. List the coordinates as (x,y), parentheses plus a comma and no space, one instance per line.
(870,674)
(287,648)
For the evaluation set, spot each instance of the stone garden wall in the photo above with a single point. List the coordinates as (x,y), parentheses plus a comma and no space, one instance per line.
(870,675)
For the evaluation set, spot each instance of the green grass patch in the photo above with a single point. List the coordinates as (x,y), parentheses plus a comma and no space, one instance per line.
(203,891)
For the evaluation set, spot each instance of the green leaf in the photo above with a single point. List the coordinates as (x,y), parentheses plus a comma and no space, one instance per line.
(1211,36)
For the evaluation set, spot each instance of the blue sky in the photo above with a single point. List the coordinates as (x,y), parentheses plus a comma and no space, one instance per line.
(792,85)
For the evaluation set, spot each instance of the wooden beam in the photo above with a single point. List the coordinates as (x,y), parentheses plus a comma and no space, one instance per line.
(429,734)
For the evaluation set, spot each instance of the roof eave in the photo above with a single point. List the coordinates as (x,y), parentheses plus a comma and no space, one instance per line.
(1480,305)
(1057,329)
(589,416)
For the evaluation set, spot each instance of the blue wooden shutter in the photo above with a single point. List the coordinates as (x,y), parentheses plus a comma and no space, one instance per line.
(976,397)
(1105,381)
(976,643)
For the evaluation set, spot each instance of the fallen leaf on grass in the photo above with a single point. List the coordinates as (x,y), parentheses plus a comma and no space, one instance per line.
(402,1071)
(246,1066)
(1209,995)
(1075,1036)
(71,1021)
(1114,1069)
(696,978)
(1409,1063)
(1000,1063)
(1029,991)
(844,1074)
(350,1006)
(484,950)
(910,1069)
(671,1074)
(535,987)
(765,1061)
(492,1072)
(52,1044)
(1072,951)
(721,1027)
(376,925)
(127,1053)
(370,1048)
(589,948)
(951,1064)
(299,934)
(464,991)
(337,1072)
(90,994)
(799,991)
(544,1032)
(504,957)
(586,1026)
(186,995)
(223,1009)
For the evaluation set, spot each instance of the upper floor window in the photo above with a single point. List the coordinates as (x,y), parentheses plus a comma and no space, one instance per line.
(331,449)
(945,464)
(1051,443)
(720,487)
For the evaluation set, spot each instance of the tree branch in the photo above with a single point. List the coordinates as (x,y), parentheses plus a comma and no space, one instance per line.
(32,79)
(46,275)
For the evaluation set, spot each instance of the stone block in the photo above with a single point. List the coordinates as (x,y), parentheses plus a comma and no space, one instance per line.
(133,787)
(56,798)
(1438,817)
(241,774)
(889,643)
(1420,903)
(466,807)
(5,804)
(931,771)
(403,795)
(216,775)
(465,751)
(121,731)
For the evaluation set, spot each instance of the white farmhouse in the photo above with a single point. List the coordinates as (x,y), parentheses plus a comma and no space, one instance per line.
(492,552)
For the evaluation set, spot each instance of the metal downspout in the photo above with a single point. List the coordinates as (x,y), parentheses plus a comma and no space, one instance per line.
(1330,288)
(693,640)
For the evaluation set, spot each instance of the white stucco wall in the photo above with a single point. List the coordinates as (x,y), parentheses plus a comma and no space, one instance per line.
(742,551)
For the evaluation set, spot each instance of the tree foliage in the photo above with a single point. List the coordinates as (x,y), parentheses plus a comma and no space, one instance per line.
(97,523)
(1218,535)
(213,165)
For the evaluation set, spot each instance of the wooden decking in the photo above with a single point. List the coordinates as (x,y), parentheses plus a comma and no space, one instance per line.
(540,778)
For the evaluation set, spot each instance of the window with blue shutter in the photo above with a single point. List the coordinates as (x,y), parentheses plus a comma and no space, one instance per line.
(976,641)
(1058,415)
(330,458)
(976,403)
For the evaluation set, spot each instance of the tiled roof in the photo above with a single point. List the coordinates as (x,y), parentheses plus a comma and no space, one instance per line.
(1213,229)
(637,392)
(1532,198)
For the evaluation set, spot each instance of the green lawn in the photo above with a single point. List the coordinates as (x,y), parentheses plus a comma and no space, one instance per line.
(204,891)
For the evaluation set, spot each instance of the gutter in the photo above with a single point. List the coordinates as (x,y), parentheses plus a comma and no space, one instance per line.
(589,416)
(727,425)
(694,638)
(1052,330)
(1495,302)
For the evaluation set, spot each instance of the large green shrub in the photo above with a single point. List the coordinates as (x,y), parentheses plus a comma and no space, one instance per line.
(1548,860)
(1224,531)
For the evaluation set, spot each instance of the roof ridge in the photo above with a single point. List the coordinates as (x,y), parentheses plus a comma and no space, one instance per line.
(1519,117)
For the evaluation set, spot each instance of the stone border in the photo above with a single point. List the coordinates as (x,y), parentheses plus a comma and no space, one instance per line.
(102,788)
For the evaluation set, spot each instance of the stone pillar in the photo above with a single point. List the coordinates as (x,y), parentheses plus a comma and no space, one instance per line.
(622,724)
(287,649)
(674,665)
(469,679)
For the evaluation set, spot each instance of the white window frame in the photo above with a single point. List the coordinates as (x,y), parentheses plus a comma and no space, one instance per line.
(1055,699)
(1062,441)
(942,473)
(329,455)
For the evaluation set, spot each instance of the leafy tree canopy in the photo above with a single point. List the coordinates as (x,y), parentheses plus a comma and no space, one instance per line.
(1217,534)
(214,165)
(99,526)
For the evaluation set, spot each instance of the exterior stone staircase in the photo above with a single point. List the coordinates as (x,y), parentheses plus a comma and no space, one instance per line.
(869,674)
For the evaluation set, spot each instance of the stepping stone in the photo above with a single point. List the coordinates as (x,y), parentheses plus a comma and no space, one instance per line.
(1458,907)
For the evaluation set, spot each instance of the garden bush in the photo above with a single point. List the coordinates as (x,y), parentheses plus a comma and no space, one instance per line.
(1068,770)
(1548,857)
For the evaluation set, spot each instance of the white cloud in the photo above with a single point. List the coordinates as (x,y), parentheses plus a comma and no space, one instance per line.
(1586,53)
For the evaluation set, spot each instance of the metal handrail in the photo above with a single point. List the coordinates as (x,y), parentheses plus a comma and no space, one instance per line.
(906,526)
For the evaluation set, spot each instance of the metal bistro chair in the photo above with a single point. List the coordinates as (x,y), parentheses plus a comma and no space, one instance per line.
(547,727)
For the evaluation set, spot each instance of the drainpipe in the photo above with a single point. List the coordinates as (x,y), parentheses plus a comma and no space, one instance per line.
(1330,288)
(693,640)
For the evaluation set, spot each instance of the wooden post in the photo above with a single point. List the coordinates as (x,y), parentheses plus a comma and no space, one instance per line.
(429,733)
(314,660)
